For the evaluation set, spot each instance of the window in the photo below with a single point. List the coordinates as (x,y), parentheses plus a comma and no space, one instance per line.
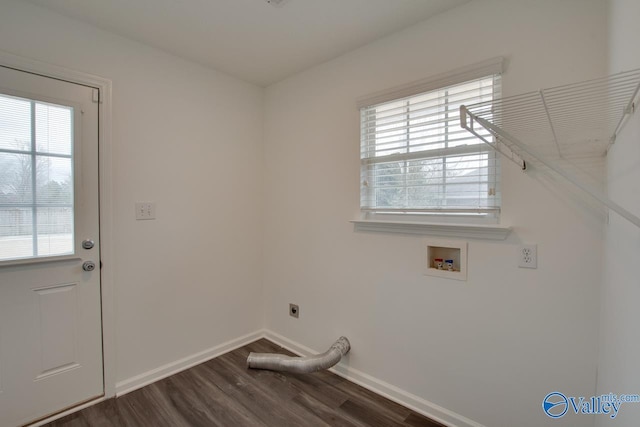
(416,160)
(36,179)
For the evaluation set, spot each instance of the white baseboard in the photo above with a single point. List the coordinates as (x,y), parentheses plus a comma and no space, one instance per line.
(391,392)
(146,378)
(67,412)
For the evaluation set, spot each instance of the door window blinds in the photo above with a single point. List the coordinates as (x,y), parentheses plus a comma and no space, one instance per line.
(36,179)
(415,157)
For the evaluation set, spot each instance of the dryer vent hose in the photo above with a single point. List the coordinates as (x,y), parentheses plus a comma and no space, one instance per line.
(300,365)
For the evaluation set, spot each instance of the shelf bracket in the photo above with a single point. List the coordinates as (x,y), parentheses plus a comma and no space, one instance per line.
(553,129)
(630,109)
(467,121)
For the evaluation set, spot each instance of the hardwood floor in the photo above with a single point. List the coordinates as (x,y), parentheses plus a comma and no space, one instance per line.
(223,392)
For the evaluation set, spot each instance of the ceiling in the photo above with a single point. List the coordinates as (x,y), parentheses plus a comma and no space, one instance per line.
(251,39)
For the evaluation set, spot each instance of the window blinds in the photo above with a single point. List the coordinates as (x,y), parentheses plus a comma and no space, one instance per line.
(36,179)
(415,157)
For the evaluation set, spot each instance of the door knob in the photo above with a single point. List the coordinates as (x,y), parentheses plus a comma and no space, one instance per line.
(89,266)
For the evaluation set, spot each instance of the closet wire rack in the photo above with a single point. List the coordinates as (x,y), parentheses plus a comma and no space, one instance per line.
(566,130)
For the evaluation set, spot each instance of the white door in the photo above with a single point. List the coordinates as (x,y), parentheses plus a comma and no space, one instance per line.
(50,318)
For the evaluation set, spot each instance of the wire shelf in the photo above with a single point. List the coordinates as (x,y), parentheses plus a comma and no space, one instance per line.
(566,130)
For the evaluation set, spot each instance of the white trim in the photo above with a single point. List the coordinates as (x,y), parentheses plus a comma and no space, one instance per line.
(391,392)
(106,200)
(473,231)
(68,412)
(40,260)
(164,371)
(463,74)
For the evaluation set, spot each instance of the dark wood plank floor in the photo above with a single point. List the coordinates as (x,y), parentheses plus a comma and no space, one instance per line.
(223,392)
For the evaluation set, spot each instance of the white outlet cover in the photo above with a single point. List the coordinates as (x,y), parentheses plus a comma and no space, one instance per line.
(528,256)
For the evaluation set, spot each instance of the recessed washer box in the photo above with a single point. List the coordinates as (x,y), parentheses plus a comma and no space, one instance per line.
(452,255)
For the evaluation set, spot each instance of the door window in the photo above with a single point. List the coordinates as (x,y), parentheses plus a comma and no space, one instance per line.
(36,179)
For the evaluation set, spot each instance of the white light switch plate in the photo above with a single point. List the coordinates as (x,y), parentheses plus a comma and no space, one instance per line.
(145,210)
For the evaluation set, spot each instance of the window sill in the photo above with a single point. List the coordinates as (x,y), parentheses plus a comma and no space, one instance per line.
(474,231)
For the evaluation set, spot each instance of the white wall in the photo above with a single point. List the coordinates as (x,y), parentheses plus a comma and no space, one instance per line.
(489,349)
(619,370)
(189,139)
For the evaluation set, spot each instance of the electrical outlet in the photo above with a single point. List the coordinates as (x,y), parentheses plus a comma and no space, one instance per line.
(145,210)
(528,256)
(294,310)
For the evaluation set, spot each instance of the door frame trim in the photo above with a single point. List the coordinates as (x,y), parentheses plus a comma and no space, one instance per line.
(105,197)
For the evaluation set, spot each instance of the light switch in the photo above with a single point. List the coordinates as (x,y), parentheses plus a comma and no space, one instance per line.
(145,210)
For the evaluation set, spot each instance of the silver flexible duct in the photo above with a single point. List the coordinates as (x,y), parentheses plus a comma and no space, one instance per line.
(300,365)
